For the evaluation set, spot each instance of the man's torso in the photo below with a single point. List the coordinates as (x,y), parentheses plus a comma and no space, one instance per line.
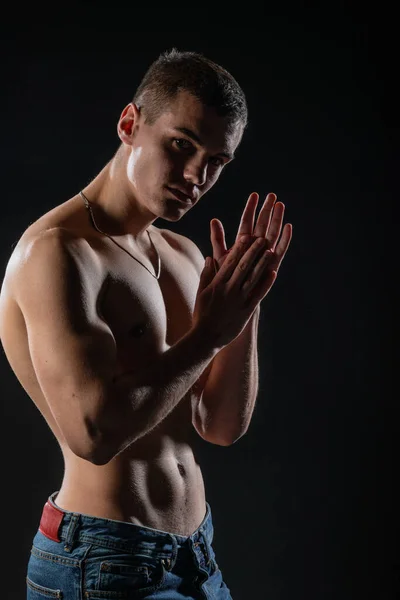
(156,481)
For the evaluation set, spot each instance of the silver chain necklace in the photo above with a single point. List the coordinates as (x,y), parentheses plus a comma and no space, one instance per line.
(89,207)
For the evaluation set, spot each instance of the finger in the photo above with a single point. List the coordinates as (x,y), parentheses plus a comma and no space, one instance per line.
(207,274)
(258,293)
(247,262)
(261,271)
(283,245)
(247,221)
(264,216)
(231,261)
(275,227)
(218,243)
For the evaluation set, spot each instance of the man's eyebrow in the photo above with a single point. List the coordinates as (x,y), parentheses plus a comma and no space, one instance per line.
(196,138)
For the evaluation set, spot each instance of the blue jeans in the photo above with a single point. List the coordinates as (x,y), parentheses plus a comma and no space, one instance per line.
(76,556)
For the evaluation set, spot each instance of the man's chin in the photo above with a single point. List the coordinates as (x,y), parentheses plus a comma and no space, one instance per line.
(168,216)
(173,210)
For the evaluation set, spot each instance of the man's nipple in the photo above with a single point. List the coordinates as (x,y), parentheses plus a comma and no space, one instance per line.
(138,330)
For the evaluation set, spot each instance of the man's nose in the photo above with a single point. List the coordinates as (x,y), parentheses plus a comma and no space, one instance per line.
(196,172)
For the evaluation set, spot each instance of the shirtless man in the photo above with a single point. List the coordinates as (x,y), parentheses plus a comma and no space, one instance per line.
(131,345)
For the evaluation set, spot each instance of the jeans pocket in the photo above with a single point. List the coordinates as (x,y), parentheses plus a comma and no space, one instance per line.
(123,576)
(38,592)
(50,574)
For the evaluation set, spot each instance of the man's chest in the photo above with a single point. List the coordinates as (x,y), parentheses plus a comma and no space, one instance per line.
(146,315)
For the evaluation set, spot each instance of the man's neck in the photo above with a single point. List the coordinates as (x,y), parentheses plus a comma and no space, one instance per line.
(116,210)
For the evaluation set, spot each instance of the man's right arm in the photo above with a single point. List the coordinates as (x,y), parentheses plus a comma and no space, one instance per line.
(74,353)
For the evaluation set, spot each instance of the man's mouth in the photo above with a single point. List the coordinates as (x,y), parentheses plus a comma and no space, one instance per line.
(182,196)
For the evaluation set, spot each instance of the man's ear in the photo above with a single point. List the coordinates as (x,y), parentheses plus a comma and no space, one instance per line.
(127,123)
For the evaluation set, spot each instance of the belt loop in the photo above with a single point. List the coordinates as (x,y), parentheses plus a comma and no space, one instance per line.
(69,539)
(170,562)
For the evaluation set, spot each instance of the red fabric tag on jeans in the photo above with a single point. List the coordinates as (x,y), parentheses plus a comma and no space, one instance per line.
(50,522)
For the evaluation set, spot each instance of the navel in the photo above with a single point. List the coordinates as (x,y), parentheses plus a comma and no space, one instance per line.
(181,469)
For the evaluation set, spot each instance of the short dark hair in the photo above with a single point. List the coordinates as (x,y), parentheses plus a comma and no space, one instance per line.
(175,71)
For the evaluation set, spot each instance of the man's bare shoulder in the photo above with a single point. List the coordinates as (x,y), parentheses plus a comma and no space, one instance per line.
(44,246)
(186,246)
(60,227)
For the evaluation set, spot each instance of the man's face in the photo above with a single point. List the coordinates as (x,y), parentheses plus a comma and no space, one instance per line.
(179,157)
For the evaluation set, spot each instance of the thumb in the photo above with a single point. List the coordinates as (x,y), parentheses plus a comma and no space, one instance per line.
(207,274)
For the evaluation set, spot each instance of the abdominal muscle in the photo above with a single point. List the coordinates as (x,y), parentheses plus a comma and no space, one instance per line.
(156,482)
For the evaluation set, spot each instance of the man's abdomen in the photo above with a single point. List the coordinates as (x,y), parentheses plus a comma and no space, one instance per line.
(162,488)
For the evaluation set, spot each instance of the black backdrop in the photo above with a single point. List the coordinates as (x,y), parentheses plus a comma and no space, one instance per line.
(303,505)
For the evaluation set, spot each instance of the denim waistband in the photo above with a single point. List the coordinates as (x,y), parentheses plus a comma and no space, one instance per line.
(59,524)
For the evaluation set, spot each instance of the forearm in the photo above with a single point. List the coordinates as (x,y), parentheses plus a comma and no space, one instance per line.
(140,401)
(229,397)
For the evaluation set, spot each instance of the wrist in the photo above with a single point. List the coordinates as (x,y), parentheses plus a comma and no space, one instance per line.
(205,340)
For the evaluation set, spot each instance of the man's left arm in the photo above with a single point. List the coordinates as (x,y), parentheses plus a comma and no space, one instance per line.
(228,387)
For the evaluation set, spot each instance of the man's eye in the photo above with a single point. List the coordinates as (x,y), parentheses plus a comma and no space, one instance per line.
(217,162)
(182,143)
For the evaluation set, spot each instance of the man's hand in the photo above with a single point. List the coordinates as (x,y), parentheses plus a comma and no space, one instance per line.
(268,226)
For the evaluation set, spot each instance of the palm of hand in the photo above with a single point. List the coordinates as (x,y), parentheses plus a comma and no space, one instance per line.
(268,226)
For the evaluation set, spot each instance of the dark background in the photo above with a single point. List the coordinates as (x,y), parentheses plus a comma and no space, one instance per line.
(304,504)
